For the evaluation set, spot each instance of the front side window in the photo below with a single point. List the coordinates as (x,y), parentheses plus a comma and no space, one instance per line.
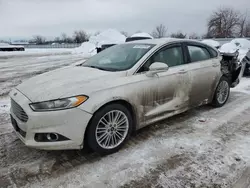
(172,56)
(198,53)
(119,57)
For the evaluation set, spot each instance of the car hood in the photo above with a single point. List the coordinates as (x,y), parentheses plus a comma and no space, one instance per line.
(66,82)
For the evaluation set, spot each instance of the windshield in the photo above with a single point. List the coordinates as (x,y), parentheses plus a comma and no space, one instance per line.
(119,57)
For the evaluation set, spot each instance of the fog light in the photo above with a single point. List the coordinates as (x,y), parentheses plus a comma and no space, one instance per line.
(49,137)
(52,137)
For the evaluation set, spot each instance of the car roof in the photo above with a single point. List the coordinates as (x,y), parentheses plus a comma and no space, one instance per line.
(162,41)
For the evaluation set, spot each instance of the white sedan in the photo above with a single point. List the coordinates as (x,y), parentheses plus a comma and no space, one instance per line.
(118,91)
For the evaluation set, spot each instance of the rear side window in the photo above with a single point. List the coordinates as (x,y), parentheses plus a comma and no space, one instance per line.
(198,53)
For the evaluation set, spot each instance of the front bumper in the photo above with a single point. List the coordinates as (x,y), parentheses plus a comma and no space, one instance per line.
(70,123)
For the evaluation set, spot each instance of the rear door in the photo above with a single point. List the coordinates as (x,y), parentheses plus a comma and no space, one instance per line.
(204,71)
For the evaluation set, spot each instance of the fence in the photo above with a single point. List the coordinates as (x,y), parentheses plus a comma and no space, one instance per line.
(52,45)
(220,40)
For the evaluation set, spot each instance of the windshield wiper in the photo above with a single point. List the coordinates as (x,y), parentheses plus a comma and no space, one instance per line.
(101,68)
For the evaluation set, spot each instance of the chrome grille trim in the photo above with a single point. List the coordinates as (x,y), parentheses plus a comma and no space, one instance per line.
(18,111)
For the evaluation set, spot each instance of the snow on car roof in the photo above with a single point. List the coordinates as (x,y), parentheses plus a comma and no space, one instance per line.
(160,41)
(142,35)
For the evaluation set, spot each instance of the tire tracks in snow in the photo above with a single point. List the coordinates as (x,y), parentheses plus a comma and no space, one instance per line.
(212,164)
(155,147)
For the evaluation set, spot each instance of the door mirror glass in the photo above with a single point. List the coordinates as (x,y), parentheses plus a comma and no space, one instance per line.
(157,67)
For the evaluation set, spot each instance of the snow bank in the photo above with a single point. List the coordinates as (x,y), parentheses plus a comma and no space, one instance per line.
(110,36)
(87,49)
(142,35)
(241,43)
(211,42)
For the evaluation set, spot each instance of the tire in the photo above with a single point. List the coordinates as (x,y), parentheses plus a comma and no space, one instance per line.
(106,133)
(223,86)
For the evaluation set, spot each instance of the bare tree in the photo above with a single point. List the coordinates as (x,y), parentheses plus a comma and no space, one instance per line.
(138,31)
(223,23)
(160,31)
(244,26)
(194,36)
(97,33)
(38,39)
(247,29)
(80,36)
(179,34)
(124,33)
(57,39)
(65,38)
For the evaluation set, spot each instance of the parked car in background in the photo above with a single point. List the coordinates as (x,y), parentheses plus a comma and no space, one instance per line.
(244,48)
(103,47)
(241,47)
(137,36)
(8,47)
(118,91)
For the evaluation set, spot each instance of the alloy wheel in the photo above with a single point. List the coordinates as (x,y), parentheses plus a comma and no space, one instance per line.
(112,129)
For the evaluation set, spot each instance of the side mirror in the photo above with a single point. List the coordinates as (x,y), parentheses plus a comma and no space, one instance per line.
(157,67)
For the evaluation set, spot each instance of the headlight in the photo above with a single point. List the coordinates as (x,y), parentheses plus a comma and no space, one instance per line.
(59,104)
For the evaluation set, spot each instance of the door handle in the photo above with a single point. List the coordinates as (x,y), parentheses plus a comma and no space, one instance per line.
(183,71)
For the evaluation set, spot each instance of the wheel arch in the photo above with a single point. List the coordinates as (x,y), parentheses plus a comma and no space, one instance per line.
(121,101)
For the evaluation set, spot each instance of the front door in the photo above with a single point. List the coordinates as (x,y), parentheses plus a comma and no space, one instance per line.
(166,93)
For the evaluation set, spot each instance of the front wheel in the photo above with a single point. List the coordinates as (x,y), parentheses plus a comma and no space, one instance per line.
(109,129)
(222,92)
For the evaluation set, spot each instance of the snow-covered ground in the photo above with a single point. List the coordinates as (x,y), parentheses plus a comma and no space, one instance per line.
(13,70)
(204,147)
(36,52)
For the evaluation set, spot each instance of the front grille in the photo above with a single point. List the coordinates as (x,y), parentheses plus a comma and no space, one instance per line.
(18,111)
(16,127)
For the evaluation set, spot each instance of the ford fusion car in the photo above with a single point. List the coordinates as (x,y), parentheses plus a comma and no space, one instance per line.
(101,102)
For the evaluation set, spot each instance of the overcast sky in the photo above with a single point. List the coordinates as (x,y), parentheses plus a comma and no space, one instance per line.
(25,18)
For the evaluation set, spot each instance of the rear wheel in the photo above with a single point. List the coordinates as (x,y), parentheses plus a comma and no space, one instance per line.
(222,92)
(109,129)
